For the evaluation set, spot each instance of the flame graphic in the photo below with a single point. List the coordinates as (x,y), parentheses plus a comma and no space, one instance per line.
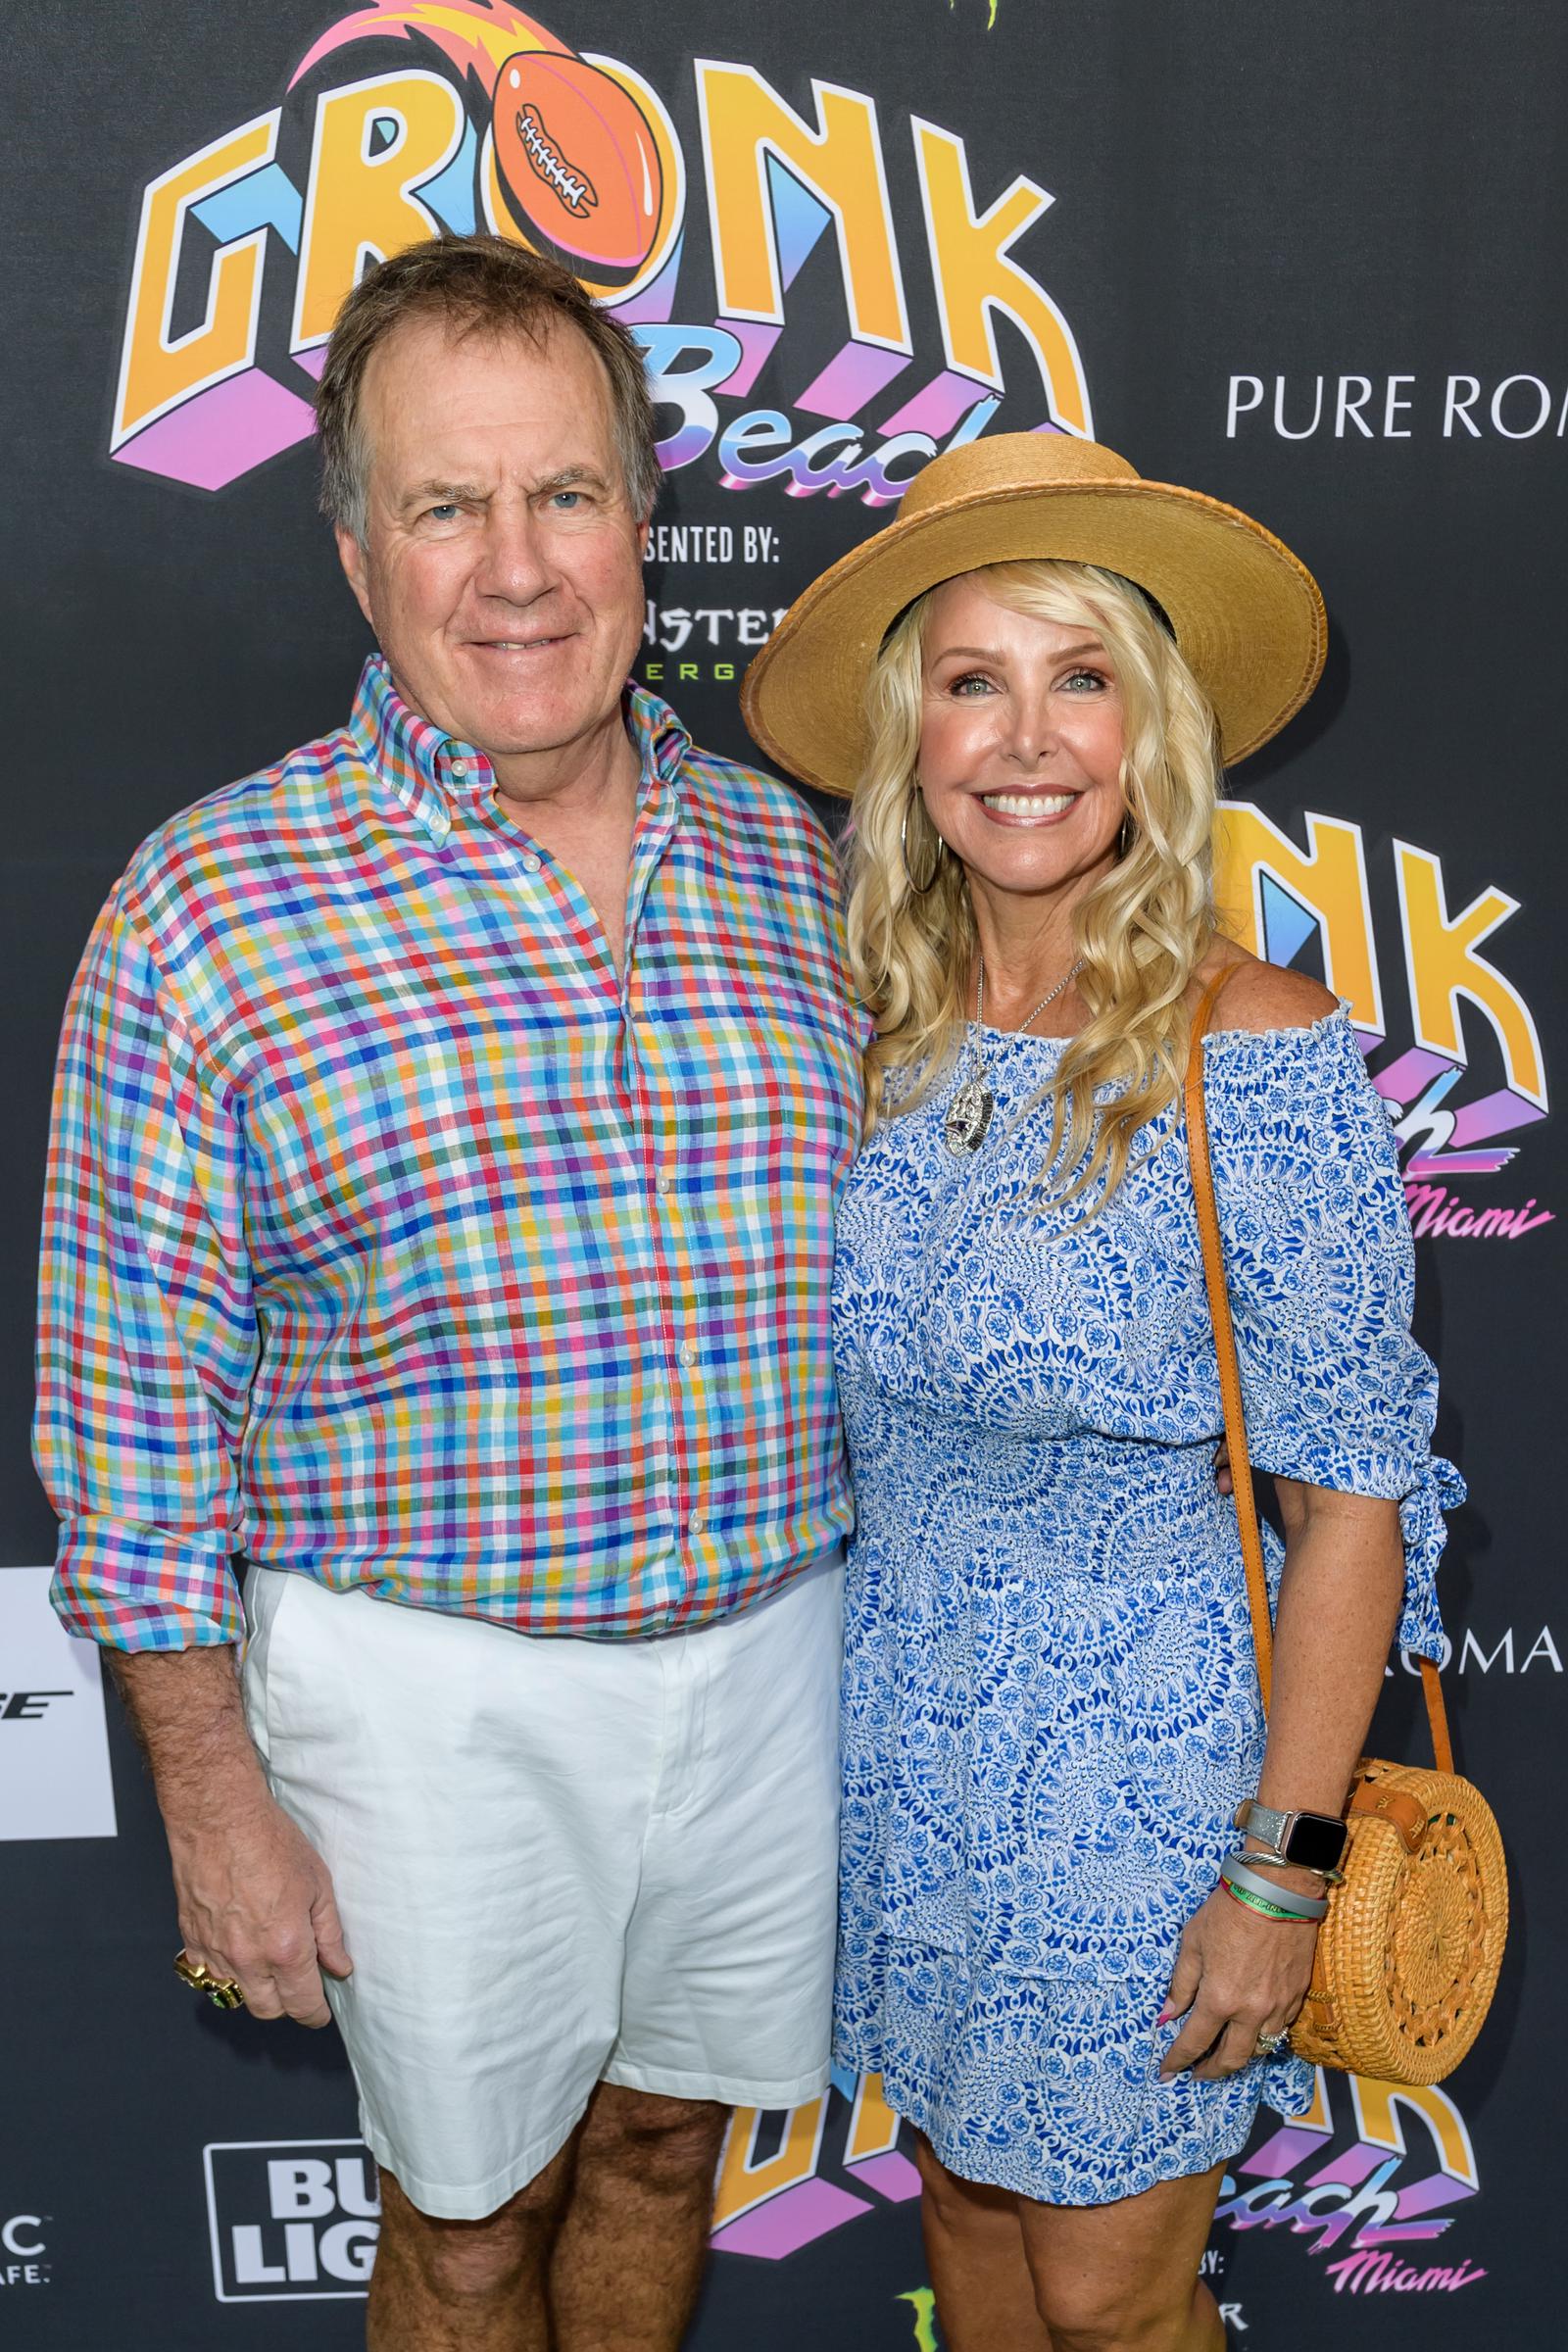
(477,38)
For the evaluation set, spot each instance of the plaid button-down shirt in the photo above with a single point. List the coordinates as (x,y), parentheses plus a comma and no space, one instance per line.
(393,1237)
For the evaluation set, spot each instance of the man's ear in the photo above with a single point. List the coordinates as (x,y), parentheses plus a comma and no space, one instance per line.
(351,554)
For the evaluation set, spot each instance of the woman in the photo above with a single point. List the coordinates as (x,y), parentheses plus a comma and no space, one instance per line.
(1072,1968)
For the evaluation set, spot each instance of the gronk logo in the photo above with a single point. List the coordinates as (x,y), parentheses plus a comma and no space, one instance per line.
(1372,2201)
(573,146)
(576,192)
(1459,1064)
(833,329)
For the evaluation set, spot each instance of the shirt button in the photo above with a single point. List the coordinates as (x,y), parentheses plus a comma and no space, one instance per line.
(696,1523)
(532,864)
(687,1352)
(664,1184)
(460,767)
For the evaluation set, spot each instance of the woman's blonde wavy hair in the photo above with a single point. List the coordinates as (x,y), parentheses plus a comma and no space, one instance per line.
(1142,931)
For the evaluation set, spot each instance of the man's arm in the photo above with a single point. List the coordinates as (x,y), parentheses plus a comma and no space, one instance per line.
(255,1900)
(148,1342)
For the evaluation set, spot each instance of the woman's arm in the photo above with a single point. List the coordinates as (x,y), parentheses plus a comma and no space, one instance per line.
(1340,1408)
(1340,1596)
(1238,1975)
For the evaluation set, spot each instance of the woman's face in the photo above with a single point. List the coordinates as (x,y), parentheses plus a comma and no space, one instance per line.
(1020,744)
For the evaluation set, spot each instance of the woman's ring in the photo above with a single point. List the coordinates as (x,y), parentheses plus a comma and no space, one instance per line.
(223,1992)
(1267,2044)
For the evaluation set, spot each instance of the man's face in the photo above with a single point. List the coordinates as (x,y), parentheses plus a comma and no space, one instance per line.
(501,570)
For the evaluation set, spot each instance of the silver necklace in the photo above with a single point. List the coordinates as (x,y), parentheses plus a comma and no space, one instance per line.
(963,1130)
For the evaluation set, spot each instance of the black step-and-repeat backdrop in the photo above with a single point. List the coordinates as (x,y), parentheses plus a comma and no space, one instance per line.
(1308,259)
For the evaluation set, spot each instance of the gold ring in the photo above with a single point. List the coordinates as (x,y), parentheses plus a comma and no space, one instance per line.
(1268,2044)
(223,1992)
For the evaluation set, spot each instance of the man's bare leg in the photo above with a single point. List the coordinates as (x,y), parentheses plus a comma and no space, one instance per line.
(602,2253)
(467,2287)
(629,2255)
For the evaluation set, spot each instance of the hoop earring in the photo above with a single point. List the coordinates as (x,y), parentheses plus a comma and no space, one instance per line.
(920,887)
(1127,836)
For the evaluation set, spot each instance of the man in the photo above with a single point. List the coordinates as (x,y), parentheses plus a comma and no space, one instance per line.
(448,1126)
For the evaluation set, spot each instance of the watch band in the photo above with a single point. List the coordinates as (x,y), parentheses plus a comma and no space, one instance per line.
(1277,1831)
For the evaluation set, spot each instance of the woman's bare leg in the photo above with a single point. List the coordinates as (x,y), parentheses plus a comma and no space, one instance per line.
(1123,2277)
(974,2253)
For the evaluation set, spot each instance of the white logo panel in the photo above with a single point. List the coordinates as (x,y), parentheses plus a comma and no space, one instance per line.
(291,2220)
(54,1749)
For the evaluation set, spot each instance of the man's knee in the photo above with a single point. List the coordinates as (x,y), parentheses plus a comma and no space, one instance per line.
(477,2262)
(664,2143)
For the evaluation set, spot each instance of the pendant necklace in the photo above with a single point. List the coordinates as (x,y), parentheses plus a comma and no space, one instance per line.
(963,1130)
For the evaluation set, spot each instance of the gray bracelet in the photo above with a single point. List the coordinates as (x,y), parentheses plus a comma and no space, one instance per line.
(1284,1898)
(1274,1861)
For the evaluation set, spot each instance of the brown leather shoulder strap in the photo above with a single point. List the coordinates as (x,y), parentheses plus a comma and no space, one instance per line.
(1436,1716)
(1230,1386)
(1220,1311)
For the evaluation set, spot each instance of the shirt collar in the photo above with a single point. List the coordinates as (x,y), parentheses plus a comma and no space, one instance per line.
(430,772)
(661,743)
(424,768)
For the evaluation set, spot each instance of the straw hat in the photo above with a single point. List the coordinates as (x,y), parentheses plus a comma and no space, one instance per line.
(1248,614)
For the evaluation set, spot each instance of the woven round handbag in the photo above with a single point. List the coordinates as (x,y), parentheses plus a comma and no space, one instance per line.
(1407,1958)
(1426,1895)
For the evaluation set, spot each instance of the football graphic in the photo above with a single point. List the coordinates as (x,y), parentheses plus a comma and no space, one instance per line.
(577,157)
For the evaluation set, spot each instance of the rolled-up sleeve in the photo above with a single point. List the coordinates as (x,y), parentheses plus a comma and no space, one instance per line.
(1322,1278)
(147,1339)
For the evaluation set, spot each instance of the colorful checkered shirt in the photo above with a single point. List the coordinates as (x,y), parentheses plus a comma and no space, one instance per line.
(393,1237)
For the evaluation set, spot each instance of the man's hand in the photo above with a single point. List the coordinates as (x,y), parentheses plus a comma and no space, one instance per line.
(255,1903)
(254,1897)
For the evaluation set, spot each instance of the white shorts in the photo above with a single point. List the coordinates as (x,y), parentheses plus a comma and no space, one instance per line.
(558,1862)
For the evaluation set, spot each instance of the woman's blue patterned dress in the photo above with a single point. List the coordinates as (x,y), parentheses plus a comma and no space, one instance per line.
(1051,1703)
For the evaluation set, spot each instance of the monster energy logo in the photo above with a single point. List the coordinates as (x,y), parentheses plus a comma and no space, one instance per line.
(925,2306)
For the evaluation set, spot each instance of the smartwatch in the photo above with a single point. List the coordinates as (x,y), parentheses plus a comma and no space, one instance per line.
(1311,1841)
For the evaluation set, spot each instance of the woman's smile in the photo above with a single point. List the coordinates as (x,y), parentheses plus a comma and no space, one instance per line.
(1012,807)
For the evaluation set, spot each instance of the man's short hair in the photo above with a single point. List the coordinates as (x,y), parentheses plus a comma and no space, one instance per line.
(475,285)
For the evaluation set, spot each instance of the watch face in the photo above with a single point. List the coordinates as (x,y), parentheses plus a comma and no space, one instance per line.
(1316,1842)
